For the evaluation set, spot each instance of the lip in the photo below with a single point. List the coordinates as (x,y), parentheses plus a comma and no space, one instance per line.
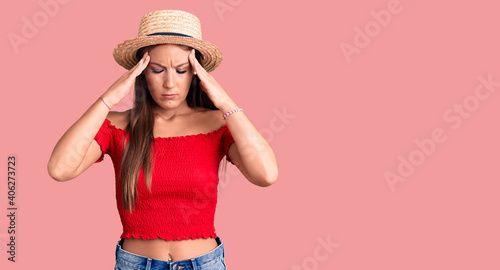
(169,96)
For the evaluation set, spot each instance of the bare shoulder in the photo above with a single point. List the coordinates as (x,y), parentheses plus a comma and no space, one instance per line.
(119,119)
(214,117)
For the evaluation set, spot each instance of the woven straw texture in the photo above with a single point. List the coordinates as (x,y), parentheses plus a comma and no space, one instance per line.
(171,21)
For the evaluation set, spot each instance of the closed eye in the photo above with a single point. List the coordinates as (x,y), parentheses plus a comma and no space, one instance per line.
(178,71)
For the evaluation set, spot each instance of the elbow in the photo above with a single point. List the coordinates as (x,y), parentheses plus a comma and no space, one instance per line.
(270,178)
(56,174)
(271,174)
(273,179)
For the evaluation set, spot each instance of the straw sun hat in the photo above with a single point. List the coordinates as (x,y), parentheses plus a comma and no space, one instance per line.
(172,27)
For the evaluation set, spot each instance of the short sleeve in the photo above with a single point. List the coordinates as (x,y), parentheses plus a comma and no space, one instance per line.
(104,138)
(227,140)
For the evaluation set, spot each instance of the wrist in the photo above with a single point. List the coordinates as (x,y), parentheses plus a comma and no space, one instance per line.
(228,106)
(231,112)
(108,101)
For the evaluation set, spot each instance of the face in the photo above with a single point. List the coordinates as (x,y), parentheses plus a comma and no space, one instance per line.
(169,73)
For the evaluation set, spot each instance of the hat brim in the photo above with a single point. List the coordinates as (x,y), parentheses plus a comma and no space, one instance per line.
(125,52)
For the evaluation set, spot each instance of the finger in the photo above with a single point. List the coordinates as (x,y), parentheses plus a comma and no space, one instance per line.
(140,61)
(192,61)
(141,65)
(198,68)
(144,64)
(133,70)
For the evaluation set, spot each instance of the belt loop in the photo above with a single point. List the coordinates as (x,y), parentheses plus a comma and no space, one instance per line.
(193,262)
(148,264)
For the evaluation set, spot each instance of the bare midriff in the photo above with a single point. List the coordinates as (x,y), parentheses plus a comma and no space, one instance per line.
(169,250)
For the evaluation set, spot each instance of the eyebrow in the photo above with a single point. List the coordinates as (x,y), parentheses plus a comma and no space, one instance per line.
(179,65)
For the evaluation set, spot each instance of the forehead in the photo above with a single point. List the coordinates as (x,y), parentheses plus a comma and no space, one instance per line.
(169,54)
(170,50)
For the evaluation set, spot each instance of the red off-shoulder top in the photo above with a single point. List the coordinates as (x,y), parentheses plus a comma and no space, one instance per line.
(183,197)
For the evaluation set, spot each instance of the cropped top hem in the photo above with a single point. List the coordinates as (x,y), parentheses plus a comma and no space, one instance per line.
(168,237)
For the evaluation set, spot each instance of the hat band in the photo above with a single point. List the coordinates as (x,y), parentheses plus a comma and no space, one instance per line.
(169,34)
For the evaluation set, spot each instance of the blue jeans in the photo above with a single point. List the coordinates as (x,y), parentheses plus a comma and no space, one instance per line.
(213,260)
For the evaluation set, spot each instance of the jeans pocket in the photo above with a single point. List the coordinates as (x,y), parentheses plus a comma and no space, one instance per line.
(220,265)
(217,264)
(119,266)
(223,264)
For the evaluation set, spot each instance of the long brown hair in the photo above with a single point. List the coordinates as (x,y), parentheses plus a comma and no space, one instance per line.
(139,151)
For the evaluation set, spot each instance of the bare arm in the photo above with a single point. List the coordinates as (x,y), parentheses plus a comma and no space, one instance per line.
(77,150)
(250,153)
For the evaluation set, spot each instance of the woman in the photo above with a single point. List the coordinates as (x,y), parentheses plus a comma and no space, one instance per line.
(166,150)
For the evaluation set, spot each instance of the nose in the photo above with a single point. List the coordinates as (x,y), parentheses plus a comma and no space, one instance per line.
(168,80)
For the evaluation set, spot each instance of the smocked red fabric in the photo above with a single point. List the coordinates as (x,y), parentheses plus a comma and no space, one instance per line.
(183,195)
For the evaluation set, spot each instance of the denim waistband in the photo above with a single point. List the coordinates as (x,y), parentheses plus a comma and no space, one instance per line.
(143,262)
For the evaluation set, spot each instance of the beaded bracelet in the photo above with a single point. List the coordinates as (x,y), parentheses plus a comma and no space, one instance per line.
(105,103)
(230,112)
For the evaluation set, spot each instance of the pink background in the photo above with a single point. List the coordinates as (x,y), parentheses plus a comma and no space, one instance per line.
(352,119)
